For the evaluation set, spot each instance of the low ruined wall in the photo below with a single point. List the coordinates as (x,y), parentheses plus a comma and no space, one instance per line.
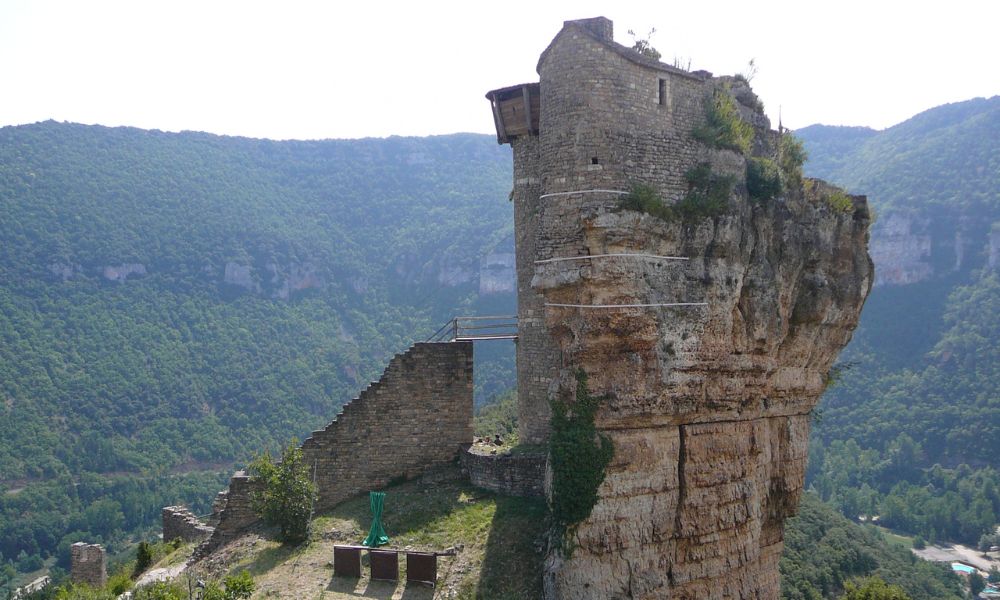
(416,417)
(179,522)
(235,515)
(88,564)
(507,474)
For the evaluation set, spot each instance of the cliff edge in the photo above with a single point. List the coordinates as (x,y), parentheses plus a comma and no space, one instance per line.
(683,294)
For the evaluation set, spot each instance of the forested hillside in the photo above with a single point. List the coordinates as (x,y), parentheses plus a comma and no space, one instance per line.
(176,302)
(171,303)
(918,384)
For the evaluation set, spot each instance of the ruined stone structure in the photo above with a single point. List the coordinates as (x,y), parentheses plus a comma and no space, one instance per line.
(521,474)
(707,406)
(179,522)
(88,564)
(416,417)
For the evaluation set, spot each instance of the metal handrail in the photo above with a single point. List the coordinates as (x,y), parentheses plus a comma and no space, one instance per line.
(455,330)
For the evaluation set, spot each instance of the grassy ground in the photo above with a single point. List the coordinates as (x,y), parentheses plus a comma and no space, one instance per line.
(496,542)
(896,539)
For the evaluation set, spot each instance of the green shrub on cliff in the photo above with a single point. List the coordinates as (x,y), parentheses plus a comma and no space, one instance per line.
(763,178)
(791,156)
(707,196)
(645,198)
(723,127)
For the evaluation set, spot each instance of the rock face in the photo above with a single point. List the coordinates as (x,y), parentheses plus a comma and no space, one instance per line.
(902,250)
(122,272)
(707,405)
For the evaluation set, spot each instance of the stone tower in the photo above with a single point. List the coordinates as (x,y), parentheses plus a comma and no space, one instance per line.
(706,404)
(88,564)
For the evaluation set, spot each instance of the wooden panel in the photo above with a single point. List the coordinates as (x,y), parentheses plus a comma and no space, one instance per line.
(384,564)
(512,112)
(421,567)
(347,561)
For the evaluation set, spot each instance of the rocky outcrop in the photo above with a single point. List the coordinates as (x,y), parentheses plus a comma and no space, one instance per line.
(123,271)
(65,271)
(707,407)
(293,278)
(241,276)
(901,247)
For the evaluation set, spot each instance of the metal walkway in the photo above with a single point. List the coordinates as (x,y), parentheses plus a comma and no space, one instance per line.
(462,329)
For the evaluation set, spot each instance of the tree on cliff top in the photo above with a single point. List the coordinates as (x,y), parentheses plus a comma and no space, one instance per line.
(287,495)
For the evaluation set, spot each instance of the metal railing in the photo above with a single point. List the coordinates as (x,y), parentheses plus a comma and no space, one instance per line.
(493,327)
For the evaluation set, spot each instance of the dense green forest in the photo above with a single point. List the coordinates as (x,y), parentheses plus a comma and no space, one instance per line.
(911,430)
(823,550)
(172,303)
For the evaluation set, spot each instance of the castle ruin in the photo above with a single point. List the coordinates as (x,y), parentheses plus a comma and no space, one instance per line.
(707,337)
(703,312)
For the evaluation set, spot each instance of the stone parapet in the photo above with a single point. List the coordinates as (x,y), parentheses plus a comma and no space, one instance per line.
(179,522)
(508,474)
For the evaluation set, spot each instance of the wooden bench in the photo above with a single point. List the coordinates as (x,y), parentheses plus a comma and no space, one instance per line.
(421,567)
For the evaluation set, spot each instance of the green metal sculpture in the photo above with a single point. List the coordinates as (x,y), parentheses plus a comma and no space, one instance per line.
(376,535)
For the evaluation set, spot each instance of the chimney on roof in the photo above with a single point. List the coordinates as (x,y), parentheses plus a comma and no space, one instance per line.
(602,27)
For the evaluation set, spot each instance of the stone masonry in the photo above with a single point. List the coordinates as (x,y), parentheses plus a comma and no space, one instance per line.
(707,406)
(507,474)
(416,417)
(179,522)
(88,564)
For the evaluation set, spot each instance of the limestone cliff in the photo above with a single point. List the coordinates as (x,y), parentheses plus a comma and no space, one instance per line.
(706,405)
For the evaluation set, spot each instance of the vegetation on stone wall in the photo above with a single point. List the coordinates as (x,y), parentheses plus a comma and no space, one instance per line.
(764,180)
(578,456)
(723,126)
(707,196)
(791,156)
(288,495)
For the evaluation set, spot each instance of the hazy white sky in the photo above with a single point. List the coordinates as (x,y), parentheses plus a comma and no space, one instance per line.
(354,68)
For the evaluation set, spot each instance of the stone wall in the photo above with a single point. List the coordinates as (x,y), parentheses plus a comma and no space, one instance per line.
(416,417)
(179,522)
(537,356)
(507,474)
(88,564)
